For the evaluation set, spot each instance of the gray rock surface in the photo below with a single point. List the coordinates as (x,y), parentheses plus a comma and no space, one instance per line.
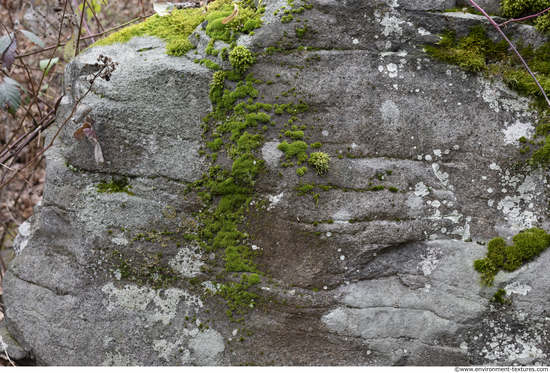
(389,282)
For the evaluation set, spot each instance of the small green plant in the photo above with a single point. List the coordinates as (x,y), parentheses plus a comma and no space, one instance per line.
(241,59)
(499,297)
(301,171)
(320,161)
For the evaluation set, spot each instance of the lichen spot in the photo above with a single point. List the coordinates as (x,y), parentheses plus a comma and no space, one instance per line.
(390,112)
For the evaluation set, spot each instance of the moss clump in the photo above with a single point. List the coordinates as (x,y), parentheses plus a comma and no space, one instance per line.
(320,161)
(527,245)
(241,59)
(297,148)
(210,64)
(215,145)
(304,189)
(517,8)
(247,19)
(237,295)
(471,52)
(176,28)
(115,186)
(301,171)
(499,297)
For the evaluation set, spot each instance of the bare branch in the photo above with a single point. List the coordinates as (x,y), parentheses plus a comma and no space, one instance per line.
(524,18)
(86,37)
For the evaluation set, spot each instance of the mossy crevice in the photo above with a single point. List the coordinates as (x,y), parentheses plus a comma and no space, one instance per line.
(115,186)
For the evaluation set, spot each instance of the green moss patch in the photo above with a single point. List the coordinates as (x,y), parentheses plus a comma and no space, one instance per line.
(320,161)
(115,186)
(176,28)
(498,297)
(527,245)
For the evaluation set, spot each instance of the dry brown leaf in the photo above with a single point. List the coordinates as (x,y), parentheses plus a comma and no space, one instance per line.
(233,15)
(79,134)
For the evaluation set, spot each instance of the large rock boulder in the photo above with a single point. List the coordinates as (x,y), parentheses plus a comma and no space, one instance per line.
(350,274)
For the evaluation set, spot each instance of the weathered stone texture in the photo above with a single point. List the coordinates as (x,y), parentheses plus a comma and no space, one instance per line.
(395,287)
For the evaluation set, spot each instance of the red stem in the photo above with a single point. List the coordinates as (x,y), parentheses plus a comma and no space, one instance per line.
(82,17)
(524,18)
(513,48)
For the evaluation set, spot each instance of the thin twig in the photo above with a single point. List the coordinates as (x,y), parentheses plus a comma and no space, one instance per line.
(16,171)
(6,351)
(82,19)
(14,150)
(80,28)
(85,37)
(78,101)
(513,48)
(95,15)
(524,18)
(41,79)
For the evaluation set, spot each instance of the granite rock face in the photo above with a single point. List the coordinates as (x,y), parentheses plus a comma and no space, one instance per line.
(356,276)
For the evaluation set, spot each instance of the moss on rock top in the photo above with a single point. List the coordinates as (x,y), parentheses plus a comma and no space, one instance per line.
(176,28)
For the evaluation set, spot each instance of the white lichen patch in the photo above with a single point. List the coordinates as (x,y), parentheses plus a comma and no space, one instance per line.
(525,343)
(119,240)
(210,287)
(271,153)
(22,238)
(518,218)
(390,112)
(442,176)
(147,302)
(455,216)
(513,132)
(499,97)
(187,262)
(207,346)
(165,348)
(430,260)
(117,360)
(421,190)
(342,215)
(423,31)
(390,24)
(517,288)
(273,200)
(392,70)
